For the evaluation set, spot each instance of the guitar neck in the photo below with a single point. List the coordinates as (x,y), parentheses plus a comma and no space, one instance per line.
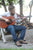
(20,18)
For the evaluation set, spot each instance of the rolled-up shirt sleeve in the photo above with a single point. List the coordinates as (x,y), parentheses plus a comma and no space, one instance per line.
(4,14)
(0,16)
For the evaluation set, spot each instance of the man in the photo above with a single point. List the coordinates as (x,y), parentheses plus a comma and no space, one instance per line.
(14,28)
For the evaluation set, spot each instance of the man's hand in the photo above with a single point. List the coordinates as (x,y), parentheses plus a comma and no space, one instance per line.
(24,17)
(7,20)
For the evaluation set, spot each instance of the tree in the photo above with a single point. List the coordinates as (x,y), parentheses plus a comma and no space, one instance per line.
(11,2)
(21,7)
(30,5)
(2,2)
(7,3)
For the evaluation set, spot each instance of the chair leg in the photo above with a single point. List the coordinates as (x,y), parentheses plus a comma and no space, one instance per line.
(3,36)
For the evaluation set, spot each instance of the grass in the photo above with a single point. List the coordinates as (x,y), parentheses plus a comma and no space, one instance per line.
(16,49)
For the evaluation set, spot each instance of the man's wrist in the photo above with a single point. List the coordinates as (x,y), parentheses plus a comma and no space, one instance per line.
(4,18)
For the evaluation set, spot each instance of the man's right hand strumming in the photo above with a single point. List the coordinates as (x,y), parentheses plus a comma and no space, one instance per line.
(6,20)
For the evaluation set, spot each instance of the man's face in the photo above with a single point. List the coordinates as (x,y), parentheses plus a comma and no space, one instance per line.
(12,11)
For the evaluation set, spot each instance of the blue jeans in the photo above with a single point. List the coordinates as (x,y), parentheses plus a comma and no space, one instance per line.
(14,28)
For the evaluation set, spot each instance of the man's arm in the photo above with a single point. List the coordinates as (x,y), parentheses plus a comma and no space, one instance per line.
(21,18)
(2,18)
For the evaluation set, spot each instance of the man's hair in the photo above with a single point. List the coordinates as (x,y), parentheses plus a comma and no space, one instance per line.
(11,7)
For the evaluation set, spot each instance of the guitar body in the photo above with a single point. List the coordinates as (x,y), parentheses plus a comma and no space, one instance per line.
(3,24)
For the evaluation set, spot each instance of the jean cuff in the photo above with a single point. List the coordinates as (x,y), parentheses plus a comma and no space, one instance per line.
(16,40)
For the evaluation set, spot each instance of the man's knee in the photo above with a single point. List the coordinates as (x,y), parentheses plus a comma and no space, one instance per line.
(23,27)
(11,26)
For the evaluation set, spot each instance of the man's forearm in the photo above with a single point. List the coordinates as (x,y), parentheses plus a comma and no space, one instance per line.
(3,18)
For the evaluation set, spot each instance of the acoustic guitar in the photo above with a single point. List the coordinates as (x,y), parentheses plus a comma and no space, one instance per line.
(4,24)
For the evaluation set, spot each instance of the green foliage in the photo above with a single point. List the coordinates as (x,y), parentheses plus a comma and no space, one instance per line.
(7,4)
(23,1)
(11,1)
(15,1)
(0,6)
(0,1)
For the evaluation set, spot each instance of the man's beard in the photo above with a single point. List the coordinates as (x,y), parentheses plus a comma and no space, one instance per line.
(12,14)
